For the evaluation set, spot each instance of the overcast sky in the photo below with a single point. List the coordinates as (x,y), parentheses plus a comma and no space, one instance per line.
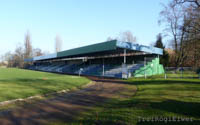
(77,22)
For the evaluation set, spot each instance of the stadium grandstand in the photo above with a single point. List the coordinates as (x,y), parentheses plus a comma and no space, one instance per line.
(108,59)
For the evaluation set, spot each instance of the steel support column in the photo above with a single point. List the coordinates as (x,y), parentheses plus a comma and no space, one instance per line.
(103,68)
(124,56)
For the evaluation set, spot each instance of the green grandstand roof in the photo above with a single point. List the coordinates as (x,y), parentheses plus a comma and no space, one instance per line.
(113,46)
(99,47)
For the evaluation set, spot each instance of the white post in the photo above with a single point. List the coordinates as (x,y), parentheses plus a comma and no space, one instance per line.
(81,69)
(79,74)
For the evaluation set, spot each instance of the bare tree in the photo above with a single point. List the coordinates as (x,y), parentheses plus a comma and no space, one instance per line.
(27,46)
(37,52)
(174,18)
(194,3)
(110,38)
(192,12)
(192,20)
(58,44)
(127,36)
(17,59)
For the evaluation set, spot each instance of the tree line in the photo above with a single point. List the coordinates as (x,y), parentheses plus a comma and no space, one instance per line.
(25,51)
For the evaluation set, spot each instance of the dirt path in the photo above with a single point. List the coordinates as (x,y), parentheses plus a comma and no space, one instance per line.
(68,106)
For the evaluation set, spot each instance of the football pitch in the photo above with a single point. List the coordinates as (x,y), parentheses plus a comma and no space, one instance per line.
(19,83)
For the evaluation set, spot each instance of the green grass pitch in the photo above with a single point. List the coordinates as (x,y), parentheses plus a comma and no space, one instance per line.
(19,83)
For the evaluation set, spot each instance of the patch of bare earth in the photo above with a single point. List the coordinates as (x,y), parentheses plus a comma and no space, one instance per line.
(67,106)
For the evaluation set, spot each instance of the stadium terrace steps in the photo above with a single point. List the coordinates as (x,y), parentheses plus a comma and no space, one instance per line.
(152,67)
(92,69)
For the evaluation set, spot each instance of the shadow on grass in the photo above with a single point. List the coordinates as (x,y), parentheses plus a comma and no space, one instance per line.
(189,109)
(154,81)
(140,81)
(64,109)
(115,113)
(172,88)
